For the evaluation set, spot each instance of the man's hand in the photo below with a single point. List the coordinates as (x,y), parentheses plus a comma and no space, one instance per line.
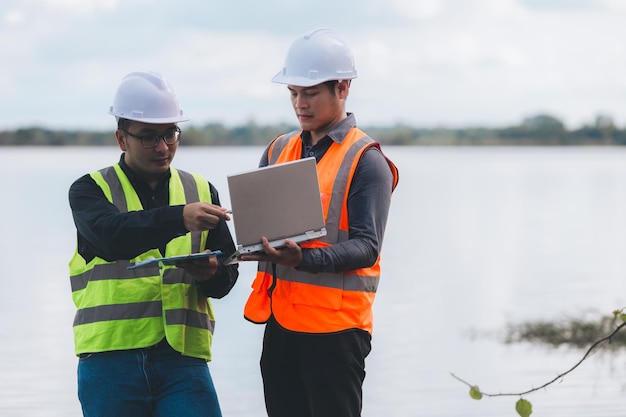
(289,255)
(201,269)
(200,216)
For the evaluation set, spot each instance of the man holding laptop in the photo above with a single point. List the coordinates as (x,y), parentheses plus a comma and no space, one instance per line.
(316,297)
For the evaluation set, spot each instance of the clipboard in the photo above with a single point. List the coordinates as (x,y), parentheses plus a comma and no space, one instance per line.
(171,260)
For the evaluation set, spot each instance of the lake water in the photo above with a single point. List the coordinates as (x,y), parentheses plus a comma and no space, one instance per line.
(477,238)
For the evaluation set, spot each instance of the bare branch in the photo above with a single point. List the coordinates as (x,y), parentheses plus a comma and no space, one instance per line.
(591,349)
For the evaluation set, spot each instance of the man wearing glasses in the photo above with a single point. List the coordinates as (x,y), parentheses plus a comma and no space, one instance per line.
(143,336)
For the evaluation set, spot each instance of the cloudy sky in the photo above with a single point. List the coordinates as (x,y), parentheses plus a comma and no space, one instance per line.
(420,62)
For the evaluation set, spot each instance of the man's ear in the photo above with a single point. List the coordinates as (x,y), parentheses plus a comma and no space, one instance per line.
(121,139)
(343,88)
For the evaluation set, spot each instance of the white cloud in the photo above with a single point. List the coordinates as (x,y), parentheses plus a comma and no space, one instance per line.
(79,7)
(14,17)
(418,10)
(617,5)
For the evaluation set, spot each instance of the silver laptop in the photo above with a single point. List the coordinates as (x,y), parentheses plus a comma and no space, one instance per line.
(278,202)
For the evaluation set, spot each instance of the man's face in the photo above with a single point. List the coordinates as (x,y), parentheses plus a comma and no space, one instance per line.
(149,163)
(316,107)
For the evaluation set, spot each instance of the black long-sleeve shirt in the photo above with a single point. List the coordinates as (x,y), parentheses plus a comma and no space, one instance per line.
(105,232)
(369,200)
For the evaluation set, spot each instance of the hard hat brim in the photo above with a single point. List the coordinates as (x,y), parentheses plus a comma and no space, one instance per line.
(280,78)
(151,120)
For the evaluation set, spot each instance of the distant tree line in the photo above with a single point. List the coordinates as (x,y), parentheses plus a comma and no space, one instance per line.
(542,129)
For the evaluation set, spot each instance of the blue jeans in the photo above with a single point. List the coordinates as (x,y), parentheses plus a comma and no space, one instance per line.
(151,382)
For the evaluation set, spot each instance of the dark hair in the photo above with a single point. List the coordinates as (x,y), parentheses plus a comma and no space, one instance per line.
(123,124)
(332,83)
(331,86)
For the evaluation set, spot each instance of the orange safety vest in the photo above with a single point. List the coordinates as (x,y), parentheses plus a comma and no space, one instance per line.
(322,302)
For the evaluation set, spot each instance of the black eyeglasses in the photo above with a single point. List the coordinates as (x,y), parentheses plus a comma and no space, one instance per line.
(152,141)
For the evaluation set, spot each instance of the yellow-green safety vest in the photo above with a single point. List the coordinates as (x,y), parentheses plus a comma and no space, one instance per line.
(120,309)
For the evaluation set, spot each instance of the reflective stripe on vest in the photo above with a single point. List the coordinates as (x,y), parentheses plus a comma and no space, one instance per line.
(322,302)
(119,308)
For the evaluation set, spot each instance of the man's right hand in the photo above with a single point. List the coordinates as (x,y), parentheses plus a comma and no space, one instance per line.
(200,216)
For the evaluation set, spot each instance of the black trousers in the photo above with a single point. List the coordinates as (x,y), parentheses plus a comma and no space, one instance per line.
(313,375)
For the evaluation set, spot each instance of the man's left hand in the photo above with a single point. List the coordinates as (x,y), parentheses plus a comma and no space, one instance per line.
(289,255)
(201,269)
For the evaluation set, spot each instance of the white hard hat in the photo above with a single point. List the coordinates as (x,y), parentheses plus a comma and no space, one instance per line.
(316,57)
(147,97)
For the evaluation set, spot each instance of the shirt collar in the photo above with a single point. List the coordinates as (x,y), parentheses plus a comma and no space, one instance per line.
(135,179)
(338,132)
